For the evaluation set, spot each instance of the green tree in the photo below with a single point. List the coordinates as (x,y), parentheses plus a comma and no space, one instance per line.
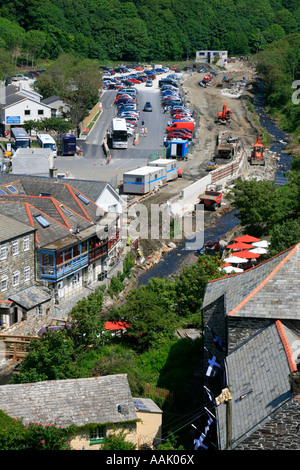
(147,317)
(49,358)
(86,323)
(34,43)
(284,236)
(258,205)
(7,66)
(117,441)
(191,283)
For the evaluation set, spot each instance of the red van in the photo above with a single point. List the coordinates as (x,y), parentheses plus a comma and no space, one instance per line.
(181,125)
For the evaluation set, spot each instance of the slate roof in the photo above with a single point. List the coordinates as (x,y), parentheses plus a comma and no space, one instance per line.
(59,204)
(11,228)
(269,290)
(74,401)
(90,188)
(258,379)
(31,297)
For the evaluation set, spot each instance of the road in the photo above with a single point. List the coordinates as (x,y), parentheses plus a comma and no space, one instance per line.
(92,165)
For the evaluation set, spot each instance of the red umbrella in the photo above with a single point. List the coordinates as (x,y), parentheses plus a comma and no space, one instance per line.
(247,254)
(247,239)
(240,246)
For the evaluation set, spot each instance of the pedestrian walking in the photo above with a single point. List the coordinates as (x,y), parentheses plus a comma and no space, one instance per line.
(143,122)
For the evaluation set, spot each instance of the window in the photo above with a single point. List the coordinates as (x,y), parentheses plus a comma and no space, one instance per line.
(26,243)
(43,222)
(139,180)
(27,274)
(16,278)
(75,280)
(39,310)
(97,435)
(3,251)
(15,247)
(4,281)
(11,188)
(27,112)
(40,111)
(82,198)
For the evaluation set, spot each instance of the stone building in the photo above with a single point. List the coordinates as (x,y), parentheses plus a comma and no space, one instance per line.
(94,407)
(20,296)
(77,243)
(255,316)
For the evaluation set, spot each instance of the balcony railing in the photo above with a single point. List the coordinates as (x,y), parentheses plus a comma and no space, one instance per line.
(98,251)
(55,272)
(113,241)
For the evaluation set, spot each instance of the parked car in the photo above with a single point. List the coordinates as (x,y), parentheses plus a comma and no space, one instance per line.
(149,83)
(128,114)
(132,119)
(179,135)
(148,106)
(128,107)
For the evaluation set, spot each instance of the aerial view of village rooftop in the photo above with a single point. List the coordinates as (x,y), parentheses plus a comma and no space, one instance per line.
(150,231)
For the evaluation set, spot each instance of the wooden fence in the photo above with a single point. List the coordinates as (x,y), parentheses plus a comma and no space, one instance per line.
(14,346)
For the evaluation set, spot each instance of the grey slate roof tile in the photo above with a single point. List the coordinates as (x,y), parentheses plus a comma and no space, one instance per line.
(73,401)
(282,288)
(259,365)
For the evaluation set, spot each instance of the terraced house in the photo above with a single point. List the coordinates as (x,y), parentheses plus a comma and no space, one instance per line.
(73,243)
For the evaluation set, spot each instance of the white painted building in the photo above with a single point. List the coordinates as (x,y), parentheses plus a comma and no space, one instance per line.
(19,105)
(209,57)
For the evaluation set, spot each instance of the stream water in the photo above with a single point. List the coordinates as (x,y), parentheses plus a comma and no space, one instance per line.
(171,260)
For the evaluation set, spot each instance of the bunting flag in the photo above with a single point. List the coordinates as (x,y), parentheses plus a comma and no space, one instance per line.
(212,364)
(199,442)
(209,394)
(218,342)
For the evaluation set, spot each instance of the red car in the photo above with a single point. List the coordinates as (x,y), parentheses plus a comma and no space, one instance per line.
(179,135)
(134,80)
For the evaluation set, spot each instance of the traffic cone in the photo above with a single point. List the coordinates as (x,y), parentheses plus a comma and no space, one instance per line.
(95,163)
(67,173)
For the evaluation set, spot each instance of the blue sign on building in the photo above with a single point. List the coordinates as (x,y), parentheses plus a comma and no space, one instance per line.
(13,120)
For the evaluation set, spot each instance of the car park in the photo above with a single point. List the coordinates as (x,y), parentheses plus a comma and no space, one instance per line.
(148,106)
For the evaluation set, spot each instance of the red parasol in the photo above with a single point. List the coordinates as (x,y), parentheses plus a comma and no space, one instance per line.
(246,239)
(247,254)
(240,246)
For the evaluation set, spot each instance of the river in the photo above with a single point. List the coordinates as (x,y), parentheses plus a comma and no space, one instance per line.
(169,263)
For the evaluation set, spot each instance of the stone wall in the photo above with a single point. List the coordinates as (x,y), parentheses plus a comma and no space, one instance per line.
(17,263)
(282,432)
(240,329)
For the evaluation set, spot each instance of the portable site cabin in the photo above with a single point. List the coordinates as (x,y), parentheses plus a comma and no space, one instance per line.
(169,165)
(179,148)
(143,180)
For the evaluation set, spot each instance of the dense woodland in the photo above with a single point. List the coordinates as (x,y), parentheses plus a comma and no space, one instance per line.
(144,30)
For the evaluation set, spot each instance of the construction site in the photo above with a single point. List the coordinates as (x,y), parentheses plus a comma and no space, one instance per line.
(225,146)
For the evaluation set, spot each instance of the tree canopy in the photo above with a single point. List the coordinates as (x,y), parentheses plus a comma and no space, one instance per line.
(143,30)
